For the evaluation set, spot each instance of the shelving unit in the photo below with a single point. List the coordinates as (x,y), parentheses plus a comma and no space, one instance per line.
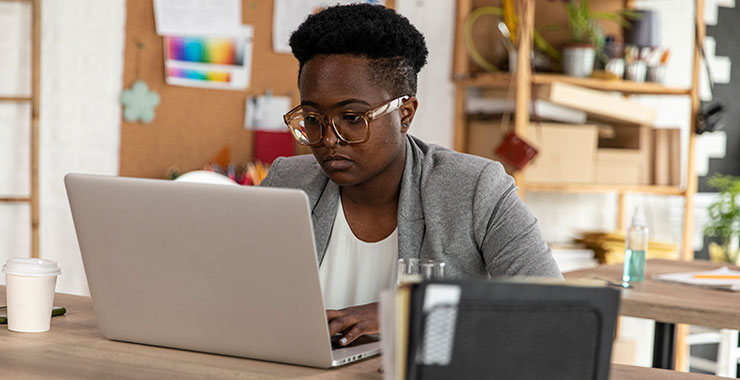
(623,86)
(523,80)
(33,198)
(15,99)
(596,188)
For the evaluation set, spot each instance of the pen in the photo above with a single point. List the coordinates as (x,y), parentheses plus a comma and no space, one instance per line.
(717,276)
(252,171)
(664,57)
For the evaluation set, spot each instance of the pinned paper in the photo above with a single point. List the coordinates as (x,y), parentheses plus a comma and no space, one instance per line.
(197,17)
(269,145)
(221,62)
(289,14)
(266,112)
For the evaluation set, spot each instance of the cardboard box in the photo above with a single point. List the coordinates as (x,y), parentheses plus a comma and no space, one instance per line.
(625,136)
(484,135)
(598,104)
(566,153)
(621,167)
(666,157)
(634,142)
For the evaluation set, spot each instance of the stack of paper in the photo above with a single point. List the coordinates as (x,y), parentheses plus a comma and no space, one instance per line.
(394,325)
(722,278)
(544,109)
(609,247)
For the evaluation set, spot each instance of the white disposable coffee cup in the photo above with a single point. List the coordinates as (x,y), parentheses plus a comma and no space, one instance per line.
(29,293)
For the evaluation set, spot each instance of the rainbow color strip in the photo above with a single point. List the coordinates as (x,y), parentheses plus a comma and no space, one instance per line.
(212,50)
(204,75)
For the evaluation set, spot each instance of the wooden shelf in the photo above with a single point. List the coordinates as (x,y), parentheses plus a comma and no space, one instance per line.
(15,199)
(602,188)
(624,86)
(15,99)
(502,79)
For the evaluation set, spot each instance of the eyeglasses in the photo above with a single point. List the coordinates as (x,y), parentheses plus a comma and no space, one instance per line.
(350,127)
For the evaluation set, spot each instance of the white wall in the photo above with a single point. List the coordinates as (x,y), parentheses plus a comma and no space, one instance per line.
(81,74)
(436,92)
(15,31)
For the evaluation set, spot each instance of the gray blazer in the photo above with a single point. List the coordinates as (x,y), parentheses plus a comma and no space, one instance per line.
(461,209)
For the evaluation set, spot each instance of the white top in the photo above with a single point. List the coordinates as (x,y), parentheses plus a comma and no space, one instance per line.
(353,271)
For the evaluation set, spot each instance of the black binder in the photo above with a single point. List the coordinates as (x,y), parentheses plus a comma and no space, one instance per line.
(511,330)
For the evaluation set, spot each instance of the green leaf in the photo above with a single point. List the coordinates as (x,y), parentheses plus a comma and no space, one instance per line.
(724,214)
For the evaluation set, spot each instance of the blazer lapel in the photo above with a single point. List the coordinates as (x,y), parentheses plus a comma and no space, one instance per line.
(323,215)
(411,226)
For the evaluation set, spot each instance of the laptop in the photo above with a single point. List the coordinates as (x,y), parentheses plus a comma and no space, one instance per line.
(228,270)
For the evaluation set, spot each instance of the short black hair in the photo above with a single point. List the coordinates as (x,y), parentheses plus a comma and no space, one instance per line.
(395,49)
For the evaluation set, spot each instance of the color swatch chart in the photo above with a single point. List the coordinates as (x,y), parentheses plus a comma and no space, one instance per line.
(220,62)
(207,75)
(222,51)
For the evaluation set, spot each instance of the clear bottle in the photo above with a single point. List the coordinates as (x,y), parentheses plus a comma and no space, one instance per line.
(635,249)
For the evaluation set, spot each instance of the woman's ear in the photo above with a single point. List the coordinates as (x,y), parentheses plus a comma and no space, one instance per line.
(408,110)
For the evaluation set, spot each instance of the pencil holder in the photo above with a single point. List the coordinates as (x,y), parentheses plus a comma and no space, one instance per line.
(635,71)
(615,66)
(656,73)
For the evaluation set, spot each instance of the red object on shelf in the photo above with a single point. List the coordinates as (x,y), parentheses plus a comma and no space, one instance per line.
(515,151)
(270,145)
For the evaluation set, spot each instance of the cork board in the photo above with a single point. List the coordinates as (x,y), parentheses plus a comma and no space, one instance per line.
(193,125)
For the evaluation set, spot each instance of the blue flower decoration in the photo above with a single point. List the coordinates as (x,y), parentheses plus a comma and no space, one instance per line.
(139,103)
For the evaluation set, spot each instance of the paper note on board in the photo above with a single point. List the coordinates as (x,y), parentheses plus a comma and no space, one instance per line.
(289,14)
(197,17)
(265,113)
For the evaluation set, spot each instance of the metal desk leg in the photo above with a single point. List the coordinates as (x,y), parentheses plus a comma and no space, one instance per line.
(663,345)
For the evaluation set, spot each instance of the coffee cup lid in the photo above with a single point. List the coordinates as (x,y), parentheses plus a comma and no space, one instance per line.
(27,266)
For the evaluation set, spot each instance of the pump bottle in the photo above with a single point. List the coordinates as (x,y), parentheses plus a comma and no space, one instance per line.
(636,247)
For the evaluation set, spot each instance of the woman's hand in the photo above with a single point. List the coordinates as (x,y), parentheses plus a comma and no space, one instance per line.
(353,322)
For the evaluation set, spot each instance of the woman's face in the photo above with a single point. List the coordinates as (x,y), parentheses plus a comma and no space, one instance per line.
(337,83)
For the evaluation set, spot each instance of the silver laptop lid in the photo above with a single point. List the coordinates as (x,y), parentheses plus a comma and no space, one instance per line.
(220,269)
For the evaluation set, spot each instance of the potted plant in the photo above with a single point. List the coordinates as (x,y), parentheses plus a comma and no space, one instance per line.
(724,217)
(586,36)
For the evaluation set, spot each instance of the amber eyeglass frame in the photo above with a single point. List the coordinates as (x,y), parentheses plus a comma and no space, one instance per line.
(324,119)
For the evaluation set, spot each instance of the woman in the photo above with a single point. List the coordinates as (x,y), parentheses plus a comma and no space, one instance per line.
(377,193)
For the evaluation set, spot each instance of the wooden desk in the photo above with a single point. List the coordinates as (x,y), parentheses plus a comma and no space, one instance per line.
(74,349)
(668,303)
(673,303)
